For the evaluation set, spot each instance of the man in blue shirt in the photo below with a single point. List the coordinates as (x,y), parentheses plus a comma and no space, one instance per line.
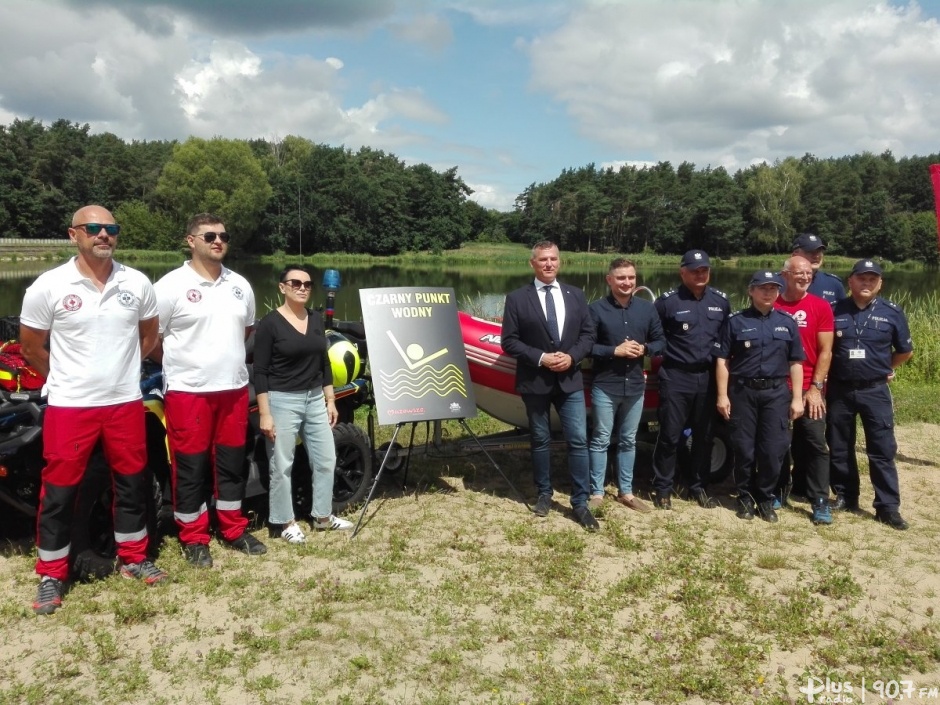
(627,329)
(872,339)
(824,285)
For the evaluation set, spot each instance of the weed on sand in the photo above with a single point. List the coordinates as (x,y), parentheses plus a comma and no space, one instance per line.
(453,592)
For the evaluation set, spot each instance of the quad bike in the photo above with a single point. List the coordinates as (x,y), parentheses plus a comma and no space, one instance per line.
(92,542)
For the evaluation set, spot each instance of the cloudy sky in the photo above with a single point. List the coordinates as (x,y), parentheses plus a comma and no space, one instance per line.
(509,91)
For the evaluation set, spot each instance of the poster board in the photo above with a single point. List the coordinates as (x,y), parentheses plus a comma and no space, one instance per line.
(416,355)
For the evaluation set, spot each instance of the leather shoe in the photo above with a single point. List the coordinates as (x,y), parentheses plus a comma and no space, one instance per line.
(892,519)
(542,506)
(633,503)
(197,554)
(767,513)
(704,501)
(585,518)
(663,501)
(246,543)
(745,509)
(844,504)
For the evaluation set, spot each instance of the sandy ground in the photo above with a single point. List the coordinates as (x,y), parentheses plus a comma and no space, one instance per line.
(419,608)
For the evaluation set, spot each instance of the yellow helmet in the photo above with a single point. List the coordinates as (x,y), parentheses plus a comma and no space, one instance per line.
(344,358)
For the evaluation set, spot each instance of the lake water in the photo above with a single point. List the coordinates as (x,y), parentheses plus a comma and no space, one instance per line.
(478,289)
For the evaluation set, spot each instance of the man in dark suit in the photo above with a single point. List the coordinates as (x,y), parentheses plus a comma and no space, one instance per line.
(548,330)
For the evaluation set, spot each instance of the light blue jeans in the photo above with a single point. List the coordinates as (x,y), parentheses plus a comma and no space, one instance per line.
(606,409)
(301,413)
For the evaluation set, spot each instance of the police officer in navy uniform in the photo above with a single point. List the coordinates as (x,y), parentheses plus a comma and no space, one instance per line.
(758,349)
(872,339)
(691,315)
(825,285)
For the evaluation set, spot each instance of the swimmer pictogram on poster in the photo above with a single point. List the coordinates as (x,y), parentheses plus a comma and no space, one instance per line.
(416,354)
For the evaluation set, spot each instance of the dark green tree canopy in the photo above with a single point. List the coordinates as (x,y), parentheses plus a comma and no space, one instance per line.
(293,195)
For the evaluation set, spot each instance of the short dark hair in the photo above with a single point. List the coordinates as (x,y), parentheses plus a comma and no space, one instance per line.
(294,268)
(620,262)
(201,219)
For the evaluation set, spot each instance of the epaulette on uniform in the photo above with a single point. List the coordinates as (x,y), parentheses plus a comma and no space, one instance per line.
(736,313)
(892,305)
(719,292)
(667,294)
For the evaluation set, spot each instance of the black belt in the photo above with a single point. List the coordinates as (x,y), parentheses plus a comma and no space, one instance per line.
(761,382)
(697,367)
(856,384)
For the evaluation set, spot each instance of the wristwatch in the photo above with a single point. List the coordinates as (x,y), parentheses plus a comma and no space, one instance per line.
(818,385)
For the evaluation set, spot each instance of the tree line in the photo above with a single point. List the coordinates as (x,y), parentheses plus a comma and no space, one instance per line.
(297,196)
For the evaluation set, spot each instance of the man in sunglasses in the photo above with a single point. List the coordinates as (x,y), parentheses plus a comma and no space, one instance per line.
(206,314)
(99,318)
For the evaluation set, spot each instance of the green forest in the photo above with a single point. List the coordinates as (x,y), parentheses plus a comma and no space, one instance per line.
(296,196)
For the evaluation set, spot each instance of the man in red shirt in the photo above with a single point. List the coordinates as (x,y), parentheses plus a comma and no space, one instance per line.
(808,449)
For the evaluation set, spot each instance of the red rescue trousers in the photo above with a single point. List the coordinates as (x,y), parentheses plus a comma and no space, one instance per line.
(207,433)
(69,435)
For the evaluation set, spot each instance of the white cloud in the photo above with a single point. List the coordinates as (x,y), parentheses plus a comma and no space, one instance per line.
(724,81)
(490,196)
(101,68)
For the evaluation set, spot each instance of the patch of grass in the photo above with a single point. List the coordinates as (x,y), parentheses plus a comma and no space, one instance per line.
(460,595)
(771,560)
(839,585)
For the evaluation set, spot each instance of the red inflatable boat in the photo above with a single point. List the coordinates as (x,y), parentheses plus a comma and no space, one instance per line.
(493,374)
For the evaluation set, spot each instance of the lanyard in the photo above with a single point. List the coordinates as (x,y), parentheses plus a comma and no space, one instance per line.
(859,330)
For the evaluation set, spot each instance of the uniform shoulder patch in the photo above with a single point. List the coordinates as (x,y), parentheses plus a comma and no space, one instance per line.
(720,293)
(667,294)
(892,305)
(736,313)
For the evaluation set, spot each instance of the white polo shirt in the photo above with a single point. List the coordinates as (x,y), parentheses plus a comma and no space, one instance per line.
(203,327)
(94,339)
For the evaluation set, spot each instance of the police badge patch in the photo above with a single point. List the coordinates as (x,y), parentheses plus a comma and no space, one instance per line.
(685,326)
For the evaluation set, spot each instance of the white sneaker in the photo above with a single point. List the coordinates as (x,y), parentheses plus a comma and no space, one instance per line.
(292,533)
(332,523)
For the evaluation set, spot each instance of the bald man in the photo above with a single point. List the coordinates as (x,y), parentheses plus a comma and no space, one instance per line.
(99,318)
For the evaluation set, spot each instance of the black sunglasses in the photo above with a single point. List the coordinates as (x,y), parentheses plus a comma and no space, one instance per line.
(210,237)
(297,284)
(111,229)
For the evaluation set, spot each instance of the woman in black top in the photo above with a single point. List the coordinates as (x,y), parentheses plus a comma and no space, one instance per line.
(294,383)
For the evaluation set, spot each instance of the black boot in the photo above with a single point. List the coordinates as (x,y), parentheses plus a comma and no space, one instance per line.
(767,512)
(745,508)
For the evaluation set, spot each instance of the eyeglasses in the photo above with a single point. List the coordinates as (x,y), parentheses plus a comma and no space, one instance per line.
(210,237)
(93,229)
(297,284)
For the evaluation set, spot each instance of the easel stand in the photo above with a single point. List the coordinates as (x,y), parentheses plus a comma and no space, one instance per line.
(391,449)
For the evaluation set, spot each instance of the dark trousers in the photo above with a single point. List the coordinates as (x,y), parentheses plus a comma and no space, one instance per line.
(686,400)
(760,420)
(807,463)
(874,406)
